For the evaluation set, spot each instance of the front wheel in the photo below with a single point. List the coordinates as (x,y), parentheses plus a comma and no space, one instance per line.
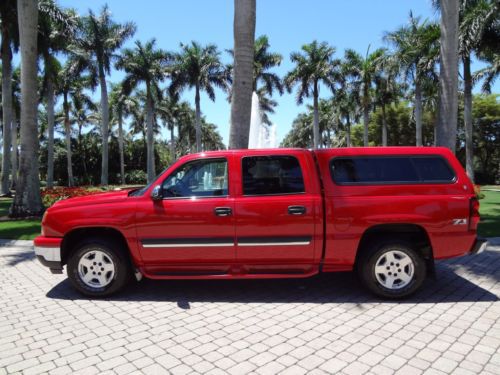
(98,268)
(392,270)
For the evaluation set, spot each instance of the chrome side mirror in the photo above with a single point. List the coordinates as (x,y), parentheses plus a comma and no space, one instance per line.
(156,194)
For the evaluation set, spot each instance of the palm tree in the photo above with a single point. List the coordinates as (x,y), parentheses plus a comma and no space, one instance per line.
(448,76)
(313,65)
(200,68)
(476,18)
(145,64)
(241,96)
(9,32)
(362,70)
(100,38)
(121,105)
(28,200)
(55,28)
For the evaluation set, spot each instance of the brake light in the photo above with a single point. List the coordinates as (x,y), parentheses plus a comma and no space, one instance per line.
(474,214)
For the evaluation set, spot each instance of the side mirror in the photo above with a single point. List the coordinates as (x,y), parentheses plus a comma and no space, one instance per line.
(156,194)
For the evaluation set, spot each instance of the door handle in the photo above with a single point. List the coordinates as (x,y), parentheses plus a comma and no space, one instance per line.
(296,210)
(222,211)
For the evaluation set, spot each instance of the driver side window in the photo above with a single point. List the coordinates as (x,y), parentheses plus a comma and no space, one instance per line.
(198,178)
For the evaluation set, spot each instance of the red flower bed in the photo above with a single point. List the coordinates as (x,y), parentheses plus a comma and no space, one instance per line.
(51,196)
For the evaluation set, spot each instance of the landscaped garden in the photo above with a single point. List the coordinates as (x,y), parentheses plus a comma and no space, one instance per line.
(28,229)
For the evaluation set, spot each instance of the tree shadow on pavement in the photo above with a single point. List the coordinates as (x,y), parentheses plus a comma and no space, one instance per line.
(13,259)
(452,284)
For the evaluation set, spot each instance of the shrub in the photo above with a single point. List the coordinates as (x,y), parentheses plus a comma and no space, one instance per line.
(477,191)
(136,176)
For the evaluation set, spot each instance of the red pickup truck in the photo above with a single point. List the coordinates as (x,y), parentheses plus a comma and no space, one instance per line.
(386,212)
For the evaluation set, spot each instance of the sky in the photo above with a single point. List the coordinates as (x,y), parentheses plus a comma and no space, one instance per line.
(289,24)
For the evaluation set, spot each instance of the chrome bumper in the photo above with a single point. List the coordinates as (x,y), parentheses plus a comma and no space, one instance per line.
(50,257)
(479,245)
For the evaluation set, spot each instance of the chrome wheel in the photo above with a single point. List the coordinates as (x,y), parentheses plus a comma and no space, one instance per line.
(394,269)
(96,269)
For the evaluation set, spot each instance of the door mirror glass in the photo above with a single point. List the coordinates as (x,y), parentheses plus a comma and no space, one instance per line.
(156,193)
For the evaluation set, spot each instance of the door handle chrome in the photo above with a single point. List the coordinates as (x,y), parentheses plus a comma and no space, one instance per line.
(296,210)
(222,211)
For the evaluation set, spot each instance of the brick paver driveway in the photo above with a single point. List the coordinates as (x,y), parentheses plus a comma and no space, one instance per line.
(326,324)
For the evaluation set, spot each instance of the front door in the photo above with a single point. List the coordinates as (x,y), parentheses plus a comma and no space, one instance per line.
(193,225)
(274,214)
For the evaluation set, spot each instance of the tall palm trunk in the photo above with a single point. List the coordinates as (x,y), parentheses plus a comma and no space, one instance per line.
(448,79)
(67,130)
(469,147)
(316,139)
(7,108)
(120,146)
(83,152)
(172,142)
(198,118)
(348,130)
(104,125)
(14,151)
(418,112)
(50,130)
(28,200)
(150,136)
(366,114)
(241,98)
(384,126)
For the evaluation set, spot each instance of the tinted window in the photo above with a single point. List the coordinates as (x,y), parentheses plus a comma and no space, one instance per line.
(263,175)
(200,178)
(376,170)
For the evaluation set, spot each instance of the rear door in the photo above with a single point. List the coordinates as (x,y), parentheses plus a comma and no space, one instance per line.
(274,211)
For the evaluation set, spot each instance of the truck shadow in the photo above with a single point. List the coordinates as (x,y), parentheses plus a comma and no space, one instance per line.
(452,284)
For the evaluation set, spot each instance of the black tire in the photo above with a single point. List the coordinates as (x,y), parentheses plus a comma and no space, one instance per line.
(122,268)
(368,261)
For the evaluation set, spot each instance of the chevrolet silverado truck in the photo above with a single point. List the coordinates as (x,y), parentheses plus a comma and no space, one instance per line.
(385,212)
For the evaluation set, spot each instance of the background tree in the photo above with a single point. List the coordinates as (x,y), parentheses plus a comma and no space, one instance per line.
(27,201)
(446,134)
(100,38)
(145,64)
(243,77)
(313,65)
(201,69)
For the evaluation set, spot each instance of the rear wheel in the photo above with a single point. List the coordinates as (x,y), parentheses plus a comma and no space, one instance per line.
(98,268)
(392,270)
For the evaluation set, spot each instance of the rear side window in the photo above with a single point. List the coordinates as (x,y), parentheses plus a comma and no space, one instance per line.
(271,175)
(386,170)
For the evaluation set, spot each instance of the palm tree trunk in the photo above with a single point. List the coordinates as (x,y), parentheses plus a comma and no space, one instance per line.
(348,130)
(50,130)
(150,136)
(83,152)
(384,126)
(366,115)
(316,139)
(104,125)
(198,119)
(14,151)
(172,142)
(469,148)
(28,200)
(7,108)
(241,97)
(120,146)
(418,112)
(448,79)
(67,129)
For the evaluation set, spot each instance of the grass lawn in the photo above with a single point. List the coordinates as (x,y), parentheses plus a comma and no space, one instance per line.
(489,225)
(16,229)
(29,229)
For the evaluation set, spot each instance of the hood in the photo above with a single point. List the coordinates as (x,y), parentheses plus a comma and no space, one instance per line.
(93,199)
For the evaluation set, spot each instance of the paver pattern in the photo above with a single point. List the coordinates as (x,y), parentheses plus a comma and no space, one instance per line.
(326,324)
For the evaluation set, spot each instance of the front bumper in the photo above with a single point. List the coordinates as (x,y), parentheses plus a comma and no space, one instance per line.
(479,245)
(48,252)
